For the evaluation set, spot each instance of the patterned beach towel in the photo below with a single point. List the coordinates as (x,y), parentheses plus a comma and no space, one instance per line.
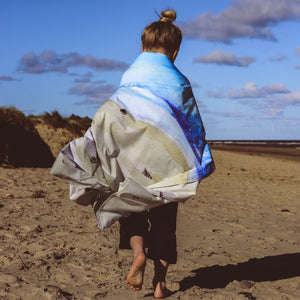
(146,145)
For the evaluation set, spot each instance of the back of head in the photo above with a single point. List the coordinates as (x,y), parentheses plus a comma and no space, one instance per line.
(162,34)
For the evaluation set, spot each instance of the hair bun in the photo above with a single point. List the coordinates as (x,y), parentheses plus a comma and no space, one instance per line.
(168,16)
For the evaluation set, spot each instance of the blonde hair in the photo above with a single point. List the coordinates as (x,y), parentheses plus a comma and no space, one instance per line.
(163,33)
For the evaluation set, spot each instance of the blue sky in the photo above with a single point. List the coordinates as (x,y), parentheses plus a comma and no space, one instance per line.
(242,58)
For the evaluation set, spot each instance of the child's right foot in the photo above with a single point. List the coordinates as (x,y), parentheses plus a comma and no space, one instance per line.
(136,274)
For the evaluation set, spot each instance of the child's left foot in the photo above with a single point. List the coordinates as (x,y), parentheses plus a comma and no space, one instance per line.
(161,291)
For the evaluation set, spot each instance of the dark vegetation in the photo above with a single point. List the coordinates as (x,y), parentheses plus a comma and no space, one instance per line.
(20,142)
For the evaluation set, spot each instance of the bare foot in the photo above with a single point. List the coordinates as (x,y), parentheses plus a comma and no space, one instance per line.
(160,290)
(136,274)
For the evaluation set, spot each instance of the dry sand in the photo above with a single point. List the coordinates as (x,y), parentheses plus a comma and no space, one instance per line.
(237,239)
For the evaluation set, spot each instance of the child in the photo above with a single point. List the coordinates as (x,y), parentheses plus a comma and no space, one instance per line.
(144,152)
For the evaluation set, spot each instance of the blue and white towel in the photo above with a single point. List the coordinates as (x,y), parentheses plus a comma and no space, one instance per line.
(146,145)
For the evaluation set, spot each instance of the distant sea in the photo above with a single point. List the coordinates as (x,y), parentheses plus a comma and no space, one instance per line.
(261,143)
(289,149)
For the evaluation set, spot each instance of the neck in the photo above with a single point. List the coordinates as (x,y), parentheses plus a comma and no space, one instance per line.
(161,50)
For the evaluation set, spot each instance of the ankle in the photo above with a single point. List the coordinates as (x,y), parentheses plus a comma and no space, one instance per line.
(139,253)
(157,281)
(163,263)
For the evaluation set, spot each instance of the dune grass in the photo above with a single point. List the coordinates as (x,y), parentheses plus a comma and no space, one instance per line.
(75,124)
(20,142)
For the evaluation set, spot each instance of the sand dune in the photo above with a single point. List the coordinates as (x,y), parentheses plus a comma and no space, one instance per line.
(237,239)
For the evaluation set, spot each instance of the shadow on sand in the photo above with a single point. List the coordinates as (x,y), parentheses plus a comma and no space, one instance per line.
(270,268)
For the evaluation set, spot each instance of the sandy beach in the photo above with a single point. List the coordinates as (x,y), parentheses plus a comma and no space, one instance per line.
(238,238)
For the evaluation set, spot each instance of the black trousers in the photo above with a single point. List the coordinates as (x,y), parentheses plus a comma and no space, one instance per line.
(158,228)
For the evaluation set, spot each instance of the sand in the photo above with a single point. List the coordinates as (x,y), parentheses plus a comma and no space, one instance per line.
(238,238)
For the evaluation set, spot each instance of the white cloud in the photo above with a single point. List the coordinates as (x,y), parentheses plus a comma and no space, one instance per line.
(7,78)
(50,61)
(271,113)
(273,107)
(268,101)
(250,90)
(85,78)
(224,58)
(238,115)
(82,80)
(93,93)
(292,98)
(244,18)
(277,58)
